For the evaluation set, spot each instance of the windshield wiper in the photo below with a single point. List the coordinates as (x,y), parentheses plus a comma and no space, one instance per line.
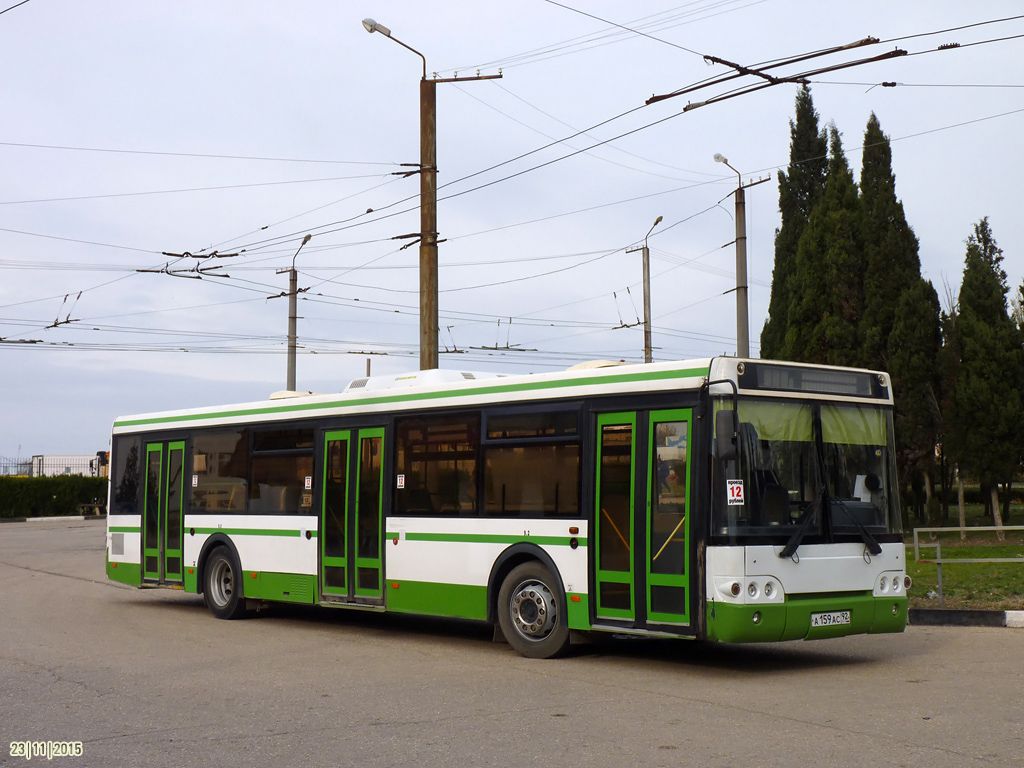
(802,525)
(869,541)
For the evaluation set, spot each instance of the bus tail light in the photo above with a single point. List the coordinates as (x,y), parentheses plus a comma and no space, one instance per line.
(907,582)
(735,589)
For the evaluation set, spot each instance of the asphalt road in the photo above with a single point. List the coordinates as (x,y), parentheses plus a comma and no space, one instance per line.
(149,678)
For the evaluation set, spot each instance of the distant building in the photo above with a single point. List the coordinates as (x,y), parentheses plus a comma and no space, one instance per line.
(53,464)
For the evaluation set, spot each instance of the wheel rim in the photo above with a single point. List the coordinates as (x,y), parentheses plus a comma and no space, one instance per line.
(532,608)
(222,585)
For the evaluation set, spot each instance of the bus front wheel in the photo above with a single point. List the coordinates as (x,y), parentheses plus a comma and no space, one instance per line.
(222,580)
(531,612)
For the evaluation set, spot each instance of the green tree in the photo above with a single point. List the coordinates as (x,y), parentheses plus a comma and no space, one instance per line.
(986,407)
(800,189)
(891,262)
(827,290)
(949,370)
(913,354)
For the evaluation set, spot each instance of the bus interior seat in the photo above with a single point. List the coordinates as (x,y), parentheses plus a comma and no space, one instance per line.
(775,505)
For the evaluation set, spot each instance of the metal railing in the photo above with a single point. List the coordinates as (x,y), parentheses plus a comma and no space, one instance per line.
(938,560)
(10,466)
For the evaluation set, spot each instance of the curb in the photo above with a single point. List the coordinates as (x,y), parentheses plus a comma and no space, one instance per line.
(50,519)
(927,617)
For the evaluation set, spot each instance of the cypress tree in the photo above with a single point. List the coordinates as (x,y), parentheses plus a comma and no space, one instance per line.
(913,352)
(949,370)
(891,262)
(986,401)
(800,189)
(827,283)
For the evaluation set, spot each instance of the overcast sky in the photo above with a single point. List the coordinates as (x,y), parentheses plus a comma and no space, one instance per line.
(131,129)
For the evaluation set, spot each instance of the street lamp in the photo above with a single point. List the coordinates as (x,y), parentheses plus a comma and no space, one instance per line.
(742,324)
(293,292)
(647,289)
(428,206)
(428,197)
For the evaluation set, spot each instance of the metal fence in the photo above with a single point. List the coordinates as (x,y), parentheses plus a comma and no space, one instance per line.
(10,466)
(939,560)
(50,466)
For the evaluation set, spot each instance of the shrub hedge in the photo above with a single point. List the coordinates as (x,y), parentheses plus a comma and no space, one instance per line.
(49,496)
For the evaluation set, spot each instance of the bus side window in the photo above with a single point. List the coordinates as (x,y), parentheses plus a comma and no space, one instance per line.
(124,477)
(220,468)
(436,459)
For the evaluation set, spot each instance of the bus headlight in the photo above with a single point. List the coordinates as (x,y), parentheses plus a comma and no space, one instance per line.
(895,583)
(752,589)
(769,589)
(883,585)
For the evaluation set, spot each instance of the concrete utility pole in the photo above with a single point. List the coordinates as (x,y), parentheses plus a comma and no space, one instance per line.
(647,290)
(428,198)
(293,292)
(742,322)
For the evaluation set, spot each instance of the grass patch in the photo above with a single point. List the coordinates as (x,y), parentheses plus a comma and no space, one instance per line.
(990,586)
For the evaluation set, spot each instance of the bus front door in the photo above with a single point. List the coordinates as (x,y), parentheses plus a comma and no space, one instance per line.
(162,520)
(642,529)
(351,521)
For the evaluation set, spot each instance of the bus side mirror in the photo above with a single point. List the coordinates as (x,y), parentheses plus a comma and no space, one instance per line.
(726,427)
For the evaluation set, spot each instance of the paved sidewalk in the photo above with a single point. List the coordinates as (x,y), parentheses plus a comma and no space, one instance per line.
(929,617)
(51,519)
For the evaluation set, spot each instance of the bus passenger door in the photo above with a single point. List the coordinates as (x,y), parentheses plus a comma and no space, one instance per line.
(641,520)
(351,522)
(616,460)
(162,518)
(667,554)
(334,516)
(369,521)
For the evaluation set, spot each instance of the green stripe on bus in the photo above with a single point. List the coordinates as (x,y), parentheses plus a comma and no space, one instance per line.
(386,399)
(124,529)
(487,538)
(457,601)
(254,531)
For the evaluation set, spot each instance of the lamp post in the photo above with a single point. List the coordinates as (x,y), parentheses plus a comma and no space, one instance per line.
(428,197)
(293,292)
(742,323)
(647,289)
(428,206)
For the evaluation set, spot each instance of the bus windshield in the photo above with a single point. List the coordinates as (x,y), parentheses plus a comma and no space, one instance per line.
(796,459)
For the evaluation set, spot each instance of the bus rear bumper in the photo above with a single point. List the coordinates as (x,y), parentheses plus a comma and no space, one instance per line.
(792,620)
(126,573)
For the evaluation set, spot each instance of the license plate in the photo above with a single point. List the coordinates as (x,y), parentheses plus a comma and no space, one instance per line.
(830,619)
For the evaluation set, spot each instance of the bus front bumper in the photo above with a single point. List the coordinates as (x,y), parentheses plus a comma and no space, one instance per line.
(792,620)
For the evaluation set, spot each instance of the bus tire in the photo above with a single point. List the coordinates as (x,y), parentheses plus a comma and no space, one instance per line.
(222,585)
(532,613)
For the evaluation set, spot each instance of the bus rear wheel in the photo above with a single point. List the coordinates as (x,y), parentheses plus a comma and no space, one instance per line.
(531,612)
(222,585)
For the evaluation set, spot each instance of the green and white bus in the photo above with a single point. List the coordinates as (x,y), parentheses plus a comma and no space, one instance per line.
(719,499)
